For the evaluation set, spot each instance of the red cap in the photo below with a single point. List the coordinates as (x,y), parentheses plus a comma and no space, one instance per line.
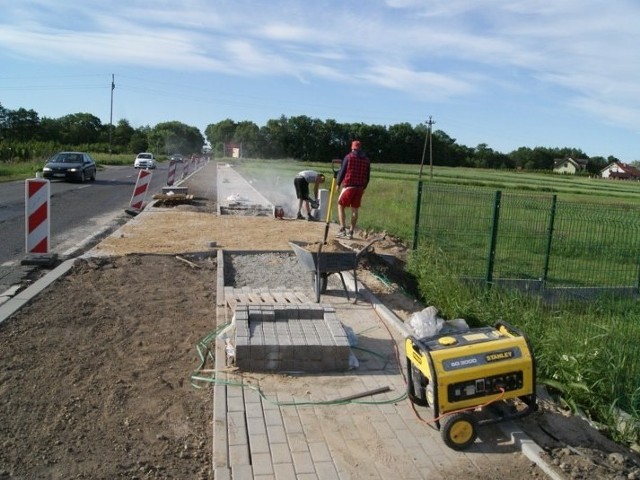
(355,145)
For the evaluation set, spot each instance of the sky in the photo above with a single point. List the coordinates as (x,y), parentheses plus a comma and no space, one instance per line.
(505,73)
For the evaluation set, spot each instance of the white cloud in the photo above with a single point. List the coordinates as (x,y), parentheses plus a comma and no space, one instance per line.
(427,85)
(437,50)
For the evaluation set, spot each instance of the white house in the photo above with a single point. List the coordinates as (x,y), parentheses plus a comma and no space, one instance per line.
(620,171)
(569,165)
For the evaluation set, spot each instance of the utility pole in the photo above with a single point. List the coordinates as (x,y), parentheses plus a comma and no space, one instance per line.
(113,87)
(416,224)
(429,123)
(427,139)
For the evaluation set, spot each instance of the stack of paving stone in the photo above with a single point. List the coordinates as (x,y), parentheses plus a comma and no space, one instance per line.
(284,338)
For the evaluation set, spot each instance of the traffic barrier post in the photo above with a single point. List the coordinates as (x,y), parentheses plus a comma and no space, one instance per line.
(37,212)
(171,176)
(140,191)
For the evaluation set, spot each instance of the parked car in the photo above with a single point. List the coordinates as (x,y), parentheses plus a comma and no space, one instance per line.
(176,157)
(145,160)
(78,166)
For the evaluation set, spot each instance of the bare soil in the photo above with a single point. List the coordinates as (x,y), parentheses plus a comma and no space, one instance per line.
(96,371)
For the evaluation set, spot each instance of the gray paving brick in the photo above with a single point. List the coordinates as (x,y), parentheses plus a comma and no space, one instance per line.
(236,428)
(326,470)
(259,443)
(298,442)
(320,452)
(384,430)
(239,455)
(242,472)
(284,471)
(262,464)
(272,415)
(280,453)
(277,434)
(255,425)
(302,462)
(222,473)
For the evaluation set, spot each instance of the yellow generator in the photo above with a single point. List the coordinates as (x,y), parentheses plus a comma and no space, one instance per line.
(467,376)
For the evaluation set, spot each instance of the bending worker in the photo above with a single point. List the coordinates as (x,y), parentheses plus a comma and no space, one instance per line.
(301,182)
(353,177)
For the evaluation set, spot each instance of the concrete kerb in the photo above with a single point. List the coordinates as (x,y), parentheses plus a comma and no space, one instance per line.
(22,298)
(11,305)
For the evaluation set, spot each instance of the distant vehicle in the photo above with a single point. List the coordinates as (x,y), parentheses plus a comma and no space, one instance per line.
(145,160)
(176,157)
(70,166)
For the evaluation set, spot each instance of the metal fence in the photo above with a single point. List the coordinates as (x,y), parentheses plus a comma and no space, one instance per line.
(556,249)
(533,242)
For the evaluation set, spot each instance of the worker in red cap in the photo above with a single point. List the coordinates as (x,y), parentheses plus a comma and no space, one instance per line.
(353,178)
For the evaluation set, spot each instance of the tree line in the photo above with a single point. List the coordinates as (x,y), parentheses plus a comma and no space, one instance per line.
(25,136)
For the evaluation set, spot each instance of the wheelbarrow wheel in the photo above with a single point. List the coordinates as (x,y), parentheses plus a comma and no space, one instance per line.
(320,283)
(459,431)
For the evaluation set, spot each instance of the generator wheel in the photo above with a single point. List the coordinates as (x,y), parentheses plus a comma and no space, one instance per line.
(459,430)
(416,385)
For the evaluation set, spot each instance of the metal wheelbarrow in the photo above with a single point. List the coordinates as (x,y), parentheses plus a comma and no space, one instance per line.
(322,264)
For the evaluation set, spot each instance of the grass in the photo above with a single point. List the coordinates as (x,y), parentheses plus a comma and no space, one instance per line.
(11,171)
(596,371)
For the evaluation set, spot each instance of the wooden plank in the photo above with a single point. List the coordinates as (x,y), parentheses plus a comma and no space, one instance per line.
(254,297)
(267,297)
(280,298)
(230,297)
(300,295)
(247,295)
(243,298)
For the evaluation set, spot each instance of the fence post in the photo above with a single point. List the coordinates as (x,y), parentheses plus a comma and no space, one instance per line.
(416,223)
(494,238)
(547,253)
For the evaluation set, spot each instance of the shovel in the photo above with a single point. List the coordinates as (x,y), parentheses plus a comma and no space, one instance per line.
(335,167)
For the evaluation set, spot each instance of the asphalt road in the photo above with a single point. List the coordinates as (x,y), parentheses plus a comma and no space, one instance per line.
(78,210)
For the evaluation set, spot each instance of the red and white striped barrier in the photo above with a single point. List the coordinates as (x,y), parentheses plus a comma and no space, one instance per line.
(186,168)
(37,210)
(171,176)
(139,193)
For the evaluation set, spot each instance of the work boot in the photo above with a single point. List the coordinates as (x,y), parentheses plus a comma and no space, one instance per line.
(300,217)
(311,218)
(342,233)
(350,234)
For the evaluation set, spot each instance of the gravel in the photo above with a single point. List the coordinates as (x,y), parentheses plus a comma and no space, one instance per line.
(265,270)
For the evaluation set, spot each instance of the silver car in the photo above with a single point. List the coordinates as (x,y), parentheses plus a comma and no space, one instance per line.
(145,160)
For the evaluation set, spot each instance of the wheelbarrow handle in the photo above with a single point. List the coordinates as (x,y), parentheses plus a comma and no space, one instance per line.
(336,164)
(367,247)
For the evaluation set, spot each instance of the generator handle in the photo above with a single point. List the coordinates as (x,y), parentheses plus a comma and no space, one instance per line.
(501,325)
(416,344)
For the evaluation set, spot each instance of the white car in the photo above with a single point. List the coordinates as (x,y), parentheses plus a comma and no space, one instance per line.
(145,160)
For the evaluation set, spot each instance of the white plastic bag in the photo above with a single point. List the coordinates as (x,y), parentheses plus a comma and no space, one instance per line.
(455,325)
(426,322)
